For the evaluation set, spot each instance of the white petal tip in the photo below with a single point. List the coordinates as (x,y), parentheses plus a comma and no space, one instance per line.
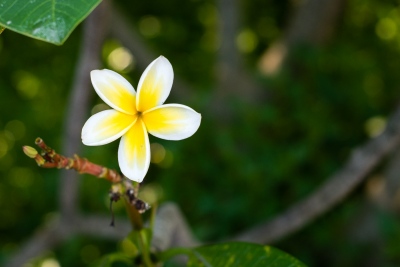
(133,178)
(86,143)
(134,175)
(94,73)
(164,59)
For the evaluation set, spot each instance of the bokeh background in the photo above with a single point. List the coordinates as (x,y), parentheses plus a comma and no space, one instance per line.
(263,145)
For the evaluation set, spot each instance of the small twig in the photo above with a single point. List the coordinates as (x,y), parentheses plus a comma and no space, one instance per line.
(51,159)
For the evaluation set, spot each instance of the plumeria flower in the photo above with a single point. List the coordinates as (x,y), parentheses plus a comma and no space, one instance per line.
(134,115)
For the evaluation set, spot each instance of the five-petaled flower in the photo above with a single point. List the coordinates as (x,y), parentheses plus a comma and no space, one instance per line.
(135,114)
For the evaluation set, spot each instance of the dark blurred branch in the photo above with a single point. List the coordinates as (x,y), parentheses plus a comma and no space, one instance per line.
(58,230)
(313,23)
(233,82)
(171,229)
(388,198)
(98,226)
(128,36)
(50,236)
(228,28)
(94,32)
(363,160)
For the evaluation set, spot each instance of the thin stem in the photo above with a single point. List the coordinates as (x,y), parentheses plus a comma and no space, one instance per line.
(153,218)
(145,249)
(134,216)
(51,159)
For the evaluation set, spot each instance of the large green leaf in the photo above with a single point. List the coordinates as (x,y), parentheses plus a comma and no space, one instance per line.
(47,20)
(239,254)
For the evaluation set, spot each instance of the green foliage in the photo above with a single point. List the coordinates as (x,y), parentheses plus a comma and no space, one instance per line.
(238,254)
(218,255)
(114,260)
(48,20)
(135,249)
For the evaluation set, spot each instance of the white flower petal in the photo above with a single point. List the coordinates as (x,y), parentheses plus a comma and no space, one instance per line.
(155,84)
(134,152)
(172,121)
(106,126)
(115,90)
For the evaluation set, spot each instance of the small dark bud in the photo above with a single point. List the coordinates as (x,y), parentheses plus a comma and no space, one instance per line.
(141,206)
(47,157)
(30,151)
(131,194)
(114,196)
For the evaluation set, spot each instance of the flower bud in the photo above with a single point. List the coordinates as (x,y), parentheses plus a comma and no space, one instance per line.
(30,151)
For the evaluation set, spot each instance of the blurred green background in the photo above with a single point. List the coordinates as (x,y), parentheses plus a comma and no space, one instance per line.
(229,176)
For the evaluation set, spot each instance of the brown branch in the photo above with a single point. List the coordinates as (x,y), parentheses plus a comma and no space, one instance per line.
(314,23)
(335,189)
(51,159)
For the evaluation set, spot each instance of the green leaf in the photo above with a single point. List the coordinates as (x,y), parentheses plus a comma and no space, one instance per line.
(47,20)
(140,238)
(237,254)
(114,259)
